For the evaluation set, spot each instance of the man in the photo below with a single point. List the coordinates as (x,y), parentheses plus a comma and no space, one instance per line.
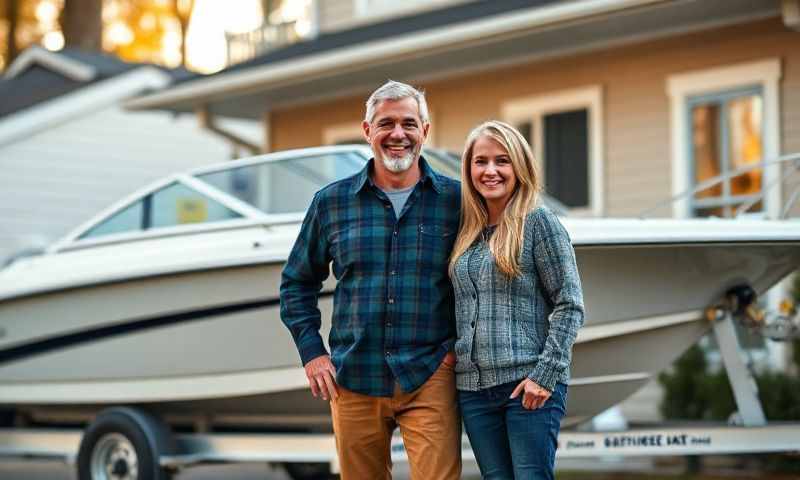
(388,232)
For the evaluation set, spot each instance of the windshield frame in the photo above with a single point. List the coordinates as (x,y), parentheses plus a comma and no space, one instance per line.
(251,215)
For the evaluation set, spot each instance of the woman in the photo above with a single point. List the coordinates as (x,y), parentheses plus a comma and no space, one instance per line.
(518,308)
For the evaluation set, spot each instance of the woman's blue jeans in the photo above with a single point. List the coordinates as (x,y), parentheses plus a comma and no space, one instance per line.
(509,441)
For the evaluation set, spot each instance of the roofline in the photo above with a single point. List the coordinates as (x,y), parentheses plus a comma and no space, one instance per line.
(318,65)
(57,110)
(73,69)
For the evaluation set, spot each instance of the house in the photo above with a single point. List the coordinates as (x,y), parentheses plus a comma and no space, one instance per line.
(68,148)
(626,102)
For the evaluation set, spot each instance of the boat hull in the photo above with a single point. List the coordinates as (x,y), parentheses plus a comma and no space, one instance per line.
(210,343)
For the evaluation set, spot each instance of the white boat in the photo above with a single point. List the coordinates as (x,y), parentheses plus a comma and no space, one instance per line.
(169,298)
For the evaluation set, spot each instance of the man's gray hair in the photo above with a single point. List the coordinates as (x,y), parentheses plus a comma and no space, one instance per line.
(392,90)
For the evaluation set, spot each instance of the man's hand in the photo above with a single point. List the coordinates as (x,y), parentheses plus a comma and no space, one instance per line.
(322,377)
(534,396)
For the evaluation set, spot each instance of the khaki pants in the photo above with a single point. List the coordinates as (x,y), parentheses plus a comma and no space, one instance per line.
(429,422)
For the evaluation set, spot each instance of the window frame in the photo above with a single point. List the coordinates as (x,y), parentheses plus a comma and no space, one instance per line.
(721,98)
(534,108)
(764,74)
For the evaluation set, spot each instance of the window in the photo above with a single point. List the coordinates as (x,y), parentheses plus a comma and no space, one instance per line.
(726,135)
(284,186)
(171,206)
(565,132)
(723,119)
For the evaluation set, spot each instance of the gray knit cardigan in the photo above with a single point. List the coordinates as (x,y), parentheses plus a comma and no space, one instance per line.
(512,328)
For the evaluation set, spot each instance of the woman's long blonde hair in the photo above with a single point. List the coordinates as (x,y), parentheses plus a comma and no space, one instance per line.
(506,242)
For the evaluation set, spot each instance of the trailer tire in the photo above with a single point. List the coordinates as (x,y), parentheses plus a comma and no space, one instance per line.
(124,443)
(309,471)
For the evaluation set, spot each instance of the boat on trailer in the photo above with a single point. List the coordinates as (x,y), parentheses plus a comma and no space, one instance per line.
(168,301)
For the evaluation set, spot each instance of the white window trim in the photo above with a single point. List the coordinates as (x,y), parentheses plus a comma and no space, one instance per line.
(766,74)
(534,108)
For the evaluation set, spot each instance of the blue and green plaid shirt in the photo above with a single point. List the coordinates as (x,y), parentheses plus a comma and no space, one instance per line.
(393,315)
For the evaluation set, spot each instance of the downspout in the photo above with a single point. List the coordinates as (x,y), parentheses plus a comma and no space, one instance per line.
(206,121)
(791,14)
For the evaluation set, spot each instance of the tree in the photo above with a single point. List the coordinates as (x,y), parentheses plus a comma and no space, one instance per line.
(150,30)
(183,12)
(82,24)
(9,12)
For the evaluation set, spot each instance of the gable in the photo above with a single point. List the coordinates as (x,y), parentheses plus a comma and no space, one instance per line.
(33,85)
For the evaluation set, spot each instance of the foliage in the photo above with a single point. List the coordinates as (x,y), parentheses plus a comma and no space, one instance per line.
(796,298)
(692,392)
(148,30)
(135,30)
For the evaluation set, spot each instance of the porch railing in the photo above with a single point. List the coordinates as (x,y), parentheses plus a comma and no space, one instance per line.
(247,45)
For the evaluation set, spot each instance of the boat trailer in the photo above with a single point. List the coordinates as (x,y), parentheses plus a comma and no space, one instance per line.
(306,455)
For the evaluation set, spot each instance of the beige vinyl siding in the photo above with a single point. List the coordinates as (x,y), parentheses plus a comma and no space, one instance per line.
(790,120)
(340,14)
(635,102)
(335,14)
(58,178)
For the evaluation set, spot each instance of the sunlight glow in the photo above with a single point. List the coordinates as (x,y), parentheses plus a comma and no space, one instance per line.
(53,41)
(205,38)
(119,33)
(47,13)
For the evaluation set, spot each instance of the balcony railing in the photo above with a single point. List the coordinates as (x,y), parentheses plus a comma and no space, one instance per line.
(246,45)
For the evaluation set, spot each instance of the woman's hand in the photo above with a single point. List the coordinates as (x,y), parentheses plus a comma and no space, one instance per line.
(534,396)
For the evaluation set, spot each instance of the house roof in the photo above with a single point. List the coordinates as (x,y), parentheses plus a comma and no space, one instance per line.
(438,44)
(38,75)
(405,25)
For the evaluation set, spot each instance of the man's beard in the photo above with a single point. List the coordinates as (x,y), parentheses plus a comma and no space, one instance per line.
(400,164)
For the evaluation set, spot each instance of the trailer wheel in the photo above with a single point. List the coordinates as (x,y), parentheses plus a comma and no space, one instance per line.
(124,444)
(309,471)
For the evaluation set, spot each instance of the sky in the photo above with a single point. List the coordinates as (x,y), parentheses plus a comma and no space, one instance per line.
(205,38)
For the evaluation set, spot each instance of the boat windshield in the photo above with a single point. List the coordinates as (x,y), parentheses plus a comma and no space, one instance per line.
(284,186)
(287,186)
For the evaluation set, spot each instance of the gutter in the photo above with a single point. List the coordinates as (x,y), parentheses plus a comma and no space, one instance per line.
(326,63)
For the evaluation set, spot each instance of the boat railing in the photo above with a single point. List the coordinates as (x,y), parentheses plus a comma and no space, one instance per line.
(791,159)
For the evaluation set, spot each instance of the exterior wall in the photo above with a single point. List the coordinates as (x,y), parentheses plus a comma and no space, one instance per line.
(636,105)
(790,120)
(340,14)
(55,180)
(335,14)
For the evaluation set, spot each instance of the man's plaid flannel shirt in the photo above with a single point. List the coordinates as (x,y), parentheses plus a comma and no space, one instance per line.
(393,317)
